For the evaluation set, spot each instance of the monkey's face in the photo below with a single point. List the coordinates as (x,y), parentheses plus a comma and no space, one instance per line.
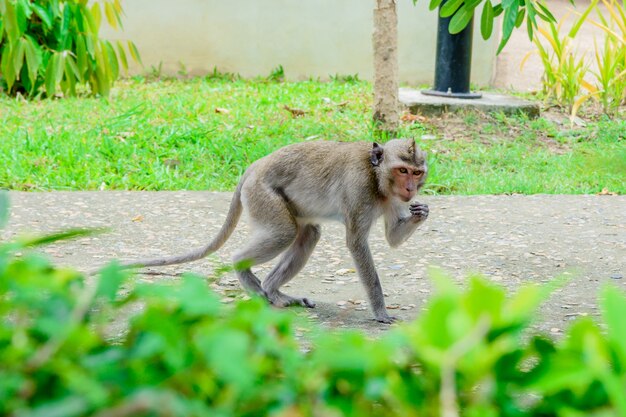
(407,180)
(403,165)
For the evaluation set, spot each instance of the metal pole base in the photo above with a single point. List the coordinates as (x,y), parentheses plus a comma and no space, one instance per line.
(450,94)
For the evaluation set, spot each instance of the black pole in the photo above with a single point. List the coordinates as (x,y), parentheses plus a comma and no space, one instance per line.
(453,61)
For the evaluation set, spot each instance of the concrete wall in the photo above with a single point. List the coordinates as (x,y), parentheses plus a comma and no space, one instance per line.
(309,38)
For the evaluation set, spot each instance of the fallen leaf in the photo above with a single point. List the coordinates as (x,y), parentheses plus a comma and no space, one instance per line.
(605,191)
(294,112)
(138,218)
(221,110)
(412,118)
(345,271)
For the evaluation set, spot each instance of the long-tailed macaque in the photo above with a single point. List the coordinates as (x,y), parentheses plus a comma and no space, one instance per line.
(289,192)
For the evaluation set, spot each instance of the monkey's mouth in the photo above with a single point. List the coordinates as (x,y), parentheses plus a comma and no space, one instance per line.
(406,197)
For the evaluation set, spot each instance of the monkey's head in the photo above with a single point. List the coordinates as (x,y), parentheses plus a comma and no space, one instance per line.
(401,168)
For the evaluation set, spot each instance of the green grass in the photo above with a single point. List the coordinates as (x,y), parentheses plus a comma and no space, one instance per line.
(167,135)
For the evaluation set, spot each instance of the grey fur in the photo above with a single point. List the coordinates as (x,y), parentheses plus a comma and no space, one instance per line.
(289,192)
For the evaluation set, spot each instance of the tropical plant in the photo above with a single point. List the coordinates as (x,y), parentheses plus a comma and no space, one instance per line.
(569,80)
(515,13)
(47,46)
(564,70)
(610,77)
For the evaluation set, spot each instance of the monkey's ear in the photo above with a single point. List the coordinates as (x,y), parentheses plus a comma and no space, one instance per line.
(376,154)
(412,146)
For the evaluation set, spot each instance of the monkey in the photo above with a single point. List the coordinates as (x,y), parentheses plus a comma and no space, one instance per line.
(288,193)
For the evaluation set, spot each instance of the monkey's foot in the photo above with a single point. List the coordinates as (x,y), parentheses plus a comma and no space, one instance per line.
(386,319)
(283,300)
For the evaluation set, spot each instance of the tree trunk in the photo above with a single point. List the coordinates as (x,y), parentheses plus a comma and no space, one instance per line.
(385,42)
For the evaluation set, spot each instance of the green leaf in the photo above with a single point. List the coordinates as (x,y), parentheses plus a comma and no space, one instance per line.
(111,57)
(59,67)
(102,75)
(613,304)
(4,208)
(91,21)
(195,298)
(483,298)
(112,277)
(576,27)
(49,78)
(66,22)
(520,18)
(122,55)
(81,56)
(460,19)
(18,56)
(55,237)
(522,305)
(546,13)
(72,68)
(6,66)
(508,23)
(486,20)
(96,18)
(111,15)
(91,44)
(234,345)
(134,52)
(449,7)
(531,22)
(43,15)
(23,13)
(10,21)
(433,4)
(33,59)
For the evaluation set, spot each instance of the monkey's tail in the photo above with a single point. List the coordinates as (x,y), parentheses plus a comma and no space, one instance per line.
(232,218)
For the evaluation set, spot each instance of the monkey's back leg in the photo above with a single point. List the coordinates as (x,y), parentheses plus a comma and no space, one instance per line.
(292,261)
(273,229)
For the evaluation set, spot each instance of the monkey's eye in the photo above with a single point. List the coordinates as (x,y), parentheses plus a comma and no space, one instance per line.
(418,173)
(403,170)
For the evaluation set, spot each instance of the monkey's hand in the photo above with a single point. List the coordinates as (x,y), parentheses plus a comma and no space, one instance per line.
(419,211)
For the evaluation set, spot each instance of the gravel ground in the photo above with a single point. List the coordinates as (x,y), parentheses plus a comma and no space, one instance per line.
(512,240)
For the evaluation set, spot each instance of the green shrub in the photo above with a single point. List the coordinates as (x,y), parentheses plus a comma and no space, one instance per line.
(183,353)
(47,45)
(568,78)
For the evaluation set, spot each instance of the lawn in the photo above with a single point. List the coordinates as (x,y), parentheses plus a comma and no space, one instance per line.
(201,133)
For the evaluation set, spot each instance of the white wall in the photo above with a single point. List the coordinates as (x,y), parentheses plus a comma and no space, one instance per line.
(309,38)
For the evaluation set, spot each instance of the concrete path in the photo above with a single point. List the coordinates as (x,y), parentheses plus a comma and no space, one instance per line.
(511,239)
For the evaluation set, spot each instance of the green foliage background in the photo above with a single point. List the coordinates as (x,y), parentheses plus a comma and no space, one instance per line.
(52,45)
(182,353)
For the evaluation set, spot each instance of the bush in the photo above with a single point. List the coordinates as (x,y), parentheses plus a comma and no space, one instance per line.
(47,45)
(183,353)
(568,78)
